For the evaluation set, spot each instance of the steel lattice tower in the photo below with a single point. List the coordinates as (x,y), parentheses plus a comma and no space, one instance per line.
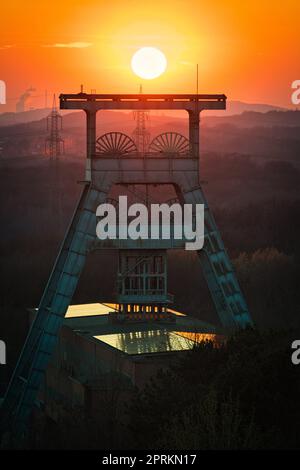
(141,135)
(54,144)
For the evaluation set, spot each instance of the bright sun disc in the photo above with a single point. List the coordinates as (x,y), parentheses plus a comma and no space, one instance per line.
(148,63)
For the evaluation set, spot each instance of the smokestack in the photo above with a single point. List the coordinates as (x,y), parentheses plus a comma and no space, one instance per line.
(20,106)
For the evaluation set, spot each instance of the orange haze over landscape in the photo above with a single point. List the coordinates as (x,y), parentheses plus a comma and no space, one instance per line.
(248,50)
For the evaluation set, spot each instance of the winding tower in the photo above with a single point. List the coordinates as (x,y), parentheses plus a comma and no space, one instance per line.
(114,159)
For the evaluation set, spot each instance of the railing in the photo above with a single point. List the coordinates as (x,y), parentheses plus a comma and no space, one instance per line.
(130,296)
(167,155)
(144,98)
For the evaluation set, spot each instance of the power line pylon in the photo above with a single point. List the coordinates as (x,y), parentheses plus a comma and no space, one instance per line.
(141,134)
(54,148)
(54,144)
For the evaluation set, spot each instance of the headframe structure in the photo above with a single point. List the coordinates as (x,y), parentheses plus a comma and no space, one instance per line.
(102,172)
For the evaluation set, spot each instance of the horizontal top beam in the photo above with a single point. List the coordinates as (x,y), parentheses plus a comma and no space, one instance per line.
(188,102)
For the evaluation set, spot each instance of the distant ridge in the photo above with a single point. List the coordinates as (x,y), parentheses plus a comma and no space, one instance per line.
(239,107)
(233,108)
(10,119)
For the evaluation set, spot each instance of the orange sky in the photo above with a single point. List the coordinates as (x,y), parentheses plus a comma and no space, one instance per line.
(249,50)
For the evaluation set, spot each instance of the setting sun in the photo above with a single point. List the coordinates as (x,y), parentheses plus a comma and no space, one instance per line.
(148,63)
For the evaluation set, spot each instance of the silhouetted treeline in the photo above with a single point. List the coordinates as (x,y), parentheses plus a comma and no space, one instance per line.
(243,395)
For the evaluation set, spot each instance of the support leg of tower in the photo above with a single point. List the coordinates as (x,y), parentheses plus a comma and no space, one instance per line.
(219,273)
(42,338)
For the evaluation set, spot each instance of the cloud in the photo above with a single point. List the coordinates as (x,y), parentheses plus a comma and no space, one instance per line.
(7,46)
(70,45)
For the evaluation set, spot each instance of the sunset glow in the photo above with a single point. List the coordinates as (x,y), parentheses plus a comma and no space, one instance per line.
(56,46)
